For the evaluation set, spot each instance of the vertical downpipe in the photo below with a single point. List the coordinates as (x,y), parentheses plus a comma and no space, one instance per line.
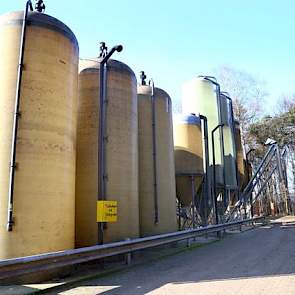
(214,173)
(207,178)
(16,115)
(214,178)
(101,140)
(102,136)
(214,81)
(193,200)
(234,137)
(154,139)
(222,142)
(232,122)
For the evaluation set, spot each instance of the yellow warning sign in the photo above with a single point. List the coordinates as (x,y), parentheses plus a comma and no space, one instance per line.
(106,211)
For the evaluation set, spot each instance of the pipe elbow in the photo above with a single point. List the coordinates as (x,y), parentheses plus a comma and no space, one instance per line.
(119,48)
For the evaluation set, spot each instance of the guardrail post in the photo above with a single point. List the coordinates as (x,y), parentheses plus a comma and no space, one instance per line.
(128,255)
(188,242)
(218,234)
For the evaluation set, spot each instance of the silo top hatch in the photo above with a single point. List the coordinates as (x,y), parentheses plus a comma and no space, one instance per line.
(39,20)
(159,93)
(92,64)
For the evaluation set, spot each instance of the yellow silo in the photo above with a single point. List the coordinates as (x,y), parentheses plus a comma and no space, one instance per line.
(240,157)
(121,152)
(44,176)
(188,152)
(157,196)
(200,96)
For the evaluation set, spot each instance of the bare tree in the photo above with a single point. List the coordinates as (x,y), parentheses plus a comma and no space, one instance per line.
(286,103)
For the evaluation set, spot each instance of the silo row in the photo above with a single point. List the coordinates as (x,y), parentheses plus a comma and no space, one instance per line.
(146,204)
(52,185)
(202,96)
(49,147)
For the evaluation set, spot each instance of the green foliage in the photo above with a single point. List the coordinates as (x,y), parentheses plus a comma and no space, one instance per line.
(280,127)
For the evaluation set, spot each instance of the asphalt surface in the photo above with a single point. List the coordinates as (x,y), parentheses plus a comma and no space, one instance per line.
(259,261)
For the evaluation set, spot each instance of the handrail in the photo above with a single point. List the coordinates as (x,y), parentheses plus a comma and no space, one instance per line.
(270,150)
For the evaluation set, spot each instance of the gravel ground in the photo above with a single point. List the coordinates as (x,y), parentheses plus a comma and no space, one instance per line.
(260,261)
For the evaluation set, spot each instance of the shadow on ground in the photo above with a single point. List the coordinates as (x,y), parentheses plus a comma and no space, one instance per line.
(266,254)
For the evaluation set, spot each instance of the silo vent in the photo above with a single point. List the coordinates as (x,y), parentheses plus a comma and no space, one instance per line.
(40,6)
(142,78)
(103,50)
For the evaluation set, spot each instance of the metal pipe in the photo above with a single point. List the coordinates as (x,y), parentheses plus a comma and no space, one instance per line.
(284,165)
(193,201)
(282,180)
(232,123)
(154,144)
(222,146)
(265,182)
(278,155)
(102,136)
(214,172)
(209,78)
(249,185)
(16,115)
(256,178)
(248,175)
(213,80)
(207,178)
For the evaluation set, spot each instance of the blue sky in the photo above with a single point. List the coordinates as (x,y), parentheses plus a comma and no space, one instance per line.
(173,41)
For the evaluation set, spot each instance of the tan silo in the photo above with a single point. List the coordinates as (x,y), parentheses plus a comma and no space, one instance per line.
(121,152)
(157,196)
(188,152)
(44,179)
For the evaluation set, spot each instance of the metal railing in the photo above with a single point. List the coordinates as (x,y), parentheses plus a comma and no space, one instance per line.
(270,164)
(12,269)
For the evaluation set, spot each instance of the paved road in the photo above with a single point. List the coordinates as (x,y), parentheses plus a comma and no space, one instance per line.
(260,261)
